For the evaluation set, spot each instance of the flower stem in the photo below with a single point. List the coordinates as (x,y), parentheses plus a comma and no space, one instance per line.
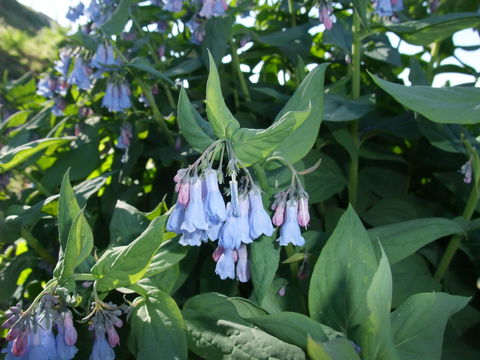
(455,241)
(435,49)
(356,52)
(34,244)
(241,77)
(291,10)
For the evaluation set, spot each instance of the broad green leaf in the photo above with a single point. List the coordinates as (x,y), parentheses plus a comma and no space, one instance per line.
(215,331)
(246,308)
(68,210)
(157,328)
(291,327)
(376,339)
(222,120)
(122,266)
(18,155)
(403,239)
(14,120)
(339,108)
(189,124)
(119,19)
(341,277)
(458,105)
(308,94)
(263,261)
(169,254)
(418,324)
(126,224)
(336,349)
(10,272)
(253,145)
(279,38)
(434,28)
(78,248)
(144,65)
(218,32)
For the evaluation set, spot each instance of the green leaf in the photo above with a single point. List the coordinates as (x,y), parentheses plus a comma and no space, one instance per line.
(339,108)
(342,275)
(18,155)
(169,254)
(336,349)
(126,224)
(434,28)
(291,327)
(418,324)
(78,248)
(10,273)
(360,7)
(145,65)
(218,32)
(376,339)
(123,266)
(156,328)
(222,120)
(190,125)
(253,145)
(308,94)
(215,331)
(263,262)
(14,120)
(119,19)
(68,209)
(403,239)
(457,105)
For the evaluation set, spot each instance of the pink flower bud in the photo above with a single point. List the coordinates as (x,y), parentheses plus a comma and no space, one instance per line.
(184,193)
(20,344)
(12,334)
(113,338)
(70,335)
(217,253)
(303,214)
(278,217)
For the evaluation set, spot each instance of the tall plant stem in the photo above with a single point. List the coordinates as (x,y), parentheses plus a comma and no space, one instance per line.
(434,59)
(356,57)
(291,10)
(241,77)
(455,241)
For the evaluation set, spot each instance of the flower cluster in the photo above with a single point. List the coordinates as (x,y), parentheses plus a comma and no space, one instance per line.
(388,7)
(201,214)
(104,319)
(31,336)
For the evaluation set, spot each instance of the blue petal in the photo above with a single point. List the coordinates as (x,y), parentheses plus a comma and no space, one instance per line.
(225,265)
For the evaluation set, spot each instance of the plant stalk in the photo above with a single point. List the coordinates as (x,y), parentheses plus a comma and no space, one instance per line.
(241,77)
(455,241)
(434,59)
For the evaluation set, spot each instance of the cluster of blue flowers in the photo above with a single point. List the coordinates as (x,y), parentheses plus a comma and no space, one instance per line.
(388,7)
(30,335)
(201,214)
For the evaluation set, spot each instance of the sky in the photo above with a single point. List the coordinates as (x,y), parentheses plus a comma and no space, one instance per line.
(57,9)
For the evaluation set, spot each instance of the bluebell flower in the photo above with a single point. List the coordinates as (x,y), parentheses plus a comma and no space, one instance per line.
(101,348)
(213,8)
(226,265)
(74,12)
(290,230)
(243,225)
(229,238)
(79,75)
(43,345)
(64,351)
(104,56)
(214,203)
(10,351)
(197,30)
(384,8)
(195,214)
(213,232)
(176,218)
(192,238)
(243,271)
(173,5)
(95,13)
(59,106)
(117,97)
(46,86)
(260,222)
(397,5)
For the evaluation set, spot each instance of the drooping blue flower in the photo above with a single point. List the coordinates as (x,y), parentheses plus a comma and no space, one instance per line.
(74,12)
(384,8)
(103,57)
(226,265)
(397,5)
(195,214)
(243,271)
(59,106)
(63,64)
(9,354)
(214,203)
(43,345)
(95,13)
(117,97)
(192,238)
(46,86)
(173,5)
(64,351)
(228,236)
(260,222)
(290,230)
(176,218)
(79,75)
(197,30)
(213,8)
(213,231)
(243,225)
(101,348)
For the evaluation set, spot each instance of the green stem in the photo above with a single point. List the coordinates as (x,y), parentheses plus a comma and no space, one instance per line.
(434,59)
(290,250)
(38,247)
(84,277)
(291,10)
(241,77)
(356,57)
(455,241)
(147,91)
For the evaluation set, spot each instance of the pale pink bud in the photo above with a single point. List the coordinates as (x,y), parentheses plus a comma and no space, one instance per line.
(278,217)
(113,337)
(303,214)
(70,335)
(20,344)
(184,193)
(217,253)
(12,334)
(325,17)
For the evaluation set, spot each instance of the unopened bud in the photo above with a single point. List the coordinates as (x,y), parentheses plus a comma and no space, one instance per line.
(303,214)
(279,215)
(217,253)
(113,337)
(184,193)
